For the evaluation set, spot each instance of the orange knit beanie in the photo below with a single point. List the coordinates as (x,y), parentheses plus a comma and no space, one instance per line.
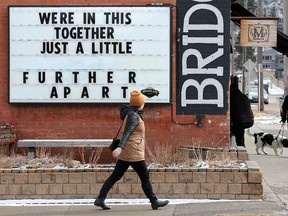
(136,98)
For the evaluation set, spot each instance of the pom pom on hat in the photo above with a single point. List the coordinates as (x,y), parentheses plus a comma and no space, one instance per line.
(136,98)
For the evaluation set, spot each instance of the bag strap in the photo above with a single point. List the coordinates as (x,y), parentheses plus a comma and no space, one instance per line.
(119,130)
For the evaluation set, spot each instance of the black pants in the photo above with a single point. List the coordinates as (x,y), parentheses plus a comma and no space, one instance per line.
(238,131)
(120,168)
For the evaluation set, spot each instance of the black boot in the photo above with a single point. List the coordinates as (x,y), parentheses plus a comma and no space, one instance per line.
(100,203)
(157,203)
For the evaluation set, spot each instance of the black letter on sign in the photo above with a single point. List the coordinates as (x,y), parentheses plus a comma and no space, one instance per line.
(41,76)
(25,73)
(85,92)
(79,48)
(128,18)
(44,18)
(75,73)
(67,91)
(132,76)
(109,77)
(58,77)
(105,91)
(54,92)
(124,91)
(92,76)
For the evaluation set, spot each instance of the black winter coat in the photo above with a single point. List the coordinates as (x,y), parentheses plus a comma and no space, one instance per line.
(240,109)
(284,110)
(131,124)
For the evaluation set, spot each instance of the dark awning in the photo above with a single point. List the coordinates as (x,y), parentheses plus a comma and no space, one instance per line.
(238,10)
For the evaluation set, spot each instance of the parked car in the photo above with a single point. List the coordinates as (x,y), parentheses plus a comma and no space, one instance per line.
(252,94)
(265,84)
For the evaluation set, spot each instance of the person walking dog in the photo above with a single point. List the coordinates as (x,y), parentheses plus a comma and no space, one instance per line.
(241,114)
(131,152)
(284,110)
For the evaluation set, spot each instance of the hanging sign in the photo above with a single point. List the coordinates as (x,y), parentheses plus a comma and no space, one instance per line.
(204,56)
(258,33)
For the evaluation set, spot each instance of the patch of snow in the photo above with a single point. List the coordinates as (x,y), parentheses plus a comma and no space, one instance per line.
(68,202)
(267,119)
(242,165)
(201,164)
(59,167)
(274,90)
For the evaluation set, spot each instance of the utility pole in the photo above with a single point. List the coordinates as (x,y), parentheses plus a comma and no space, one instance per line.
(260,65)
(285,58)
(244,80)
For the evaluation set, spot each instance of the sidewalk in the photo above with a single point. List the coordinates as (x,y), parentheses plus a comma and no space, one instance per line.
(275,183)
(274,168)
(196,208)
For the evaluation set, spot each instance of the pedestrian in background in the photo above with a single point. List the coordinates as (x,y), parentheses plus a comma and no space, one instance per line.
(241,115)
(131,152)
(284,110)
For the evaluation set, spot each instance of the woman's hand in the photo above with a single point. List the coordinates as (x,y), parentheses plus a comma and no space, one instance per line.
(116,152)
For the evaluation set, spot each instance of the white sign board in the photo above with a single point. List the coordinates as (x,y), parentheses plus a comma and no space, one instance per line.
(249,65)
(258,33)
(88,54)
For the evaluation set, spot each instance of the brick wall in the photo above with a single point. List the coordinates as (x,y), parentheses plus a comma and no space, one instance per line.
(192,183)
(86,121)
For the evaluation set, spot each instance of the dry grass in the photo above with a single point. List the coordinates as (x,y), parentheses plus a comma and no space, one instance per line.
(165,155)
(94,156)
(4,150)
(7,162)
(162,155)
(45,159)
(193,156)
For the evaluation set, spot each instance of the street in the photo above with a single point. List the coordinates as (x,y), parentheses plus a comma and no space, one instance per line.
(273,108)
(273,167)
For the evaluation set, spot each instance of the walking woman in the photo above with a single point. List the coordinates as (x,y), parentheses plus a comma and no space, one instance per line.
(131,152)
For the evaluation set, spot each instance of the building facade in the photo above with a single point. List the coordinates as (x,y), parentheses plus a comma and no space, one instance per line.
(66,68)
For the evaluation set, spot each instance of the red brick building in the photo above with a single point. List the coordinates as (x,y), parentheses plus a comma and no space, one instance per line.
(195,80)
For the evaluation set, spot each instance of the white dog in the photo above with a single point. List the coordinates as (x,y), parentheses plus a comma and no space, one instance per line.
(273,141)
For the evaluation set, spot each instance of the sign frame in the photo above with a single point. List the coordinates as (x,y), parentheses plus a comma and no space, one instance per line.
(203,62)
(153,82)
(258,33)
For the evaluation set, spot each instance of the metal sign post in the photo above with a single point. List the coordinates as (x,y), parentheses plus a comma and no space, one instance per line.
(260,67)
